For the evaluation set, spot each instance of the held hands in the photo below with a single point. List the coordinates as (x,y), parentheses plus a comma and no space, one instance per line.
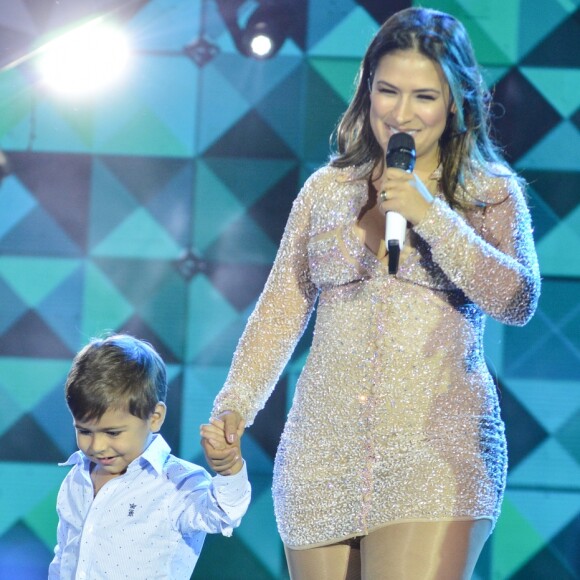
(404,193)
(223,456)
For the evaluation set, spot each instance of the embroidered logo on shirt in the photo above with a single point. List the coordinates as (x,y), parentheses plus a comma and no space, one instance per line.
(132,507)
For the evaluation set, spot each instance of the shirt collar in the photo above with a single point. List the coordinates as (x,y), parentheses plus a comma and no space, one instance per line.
(155,455)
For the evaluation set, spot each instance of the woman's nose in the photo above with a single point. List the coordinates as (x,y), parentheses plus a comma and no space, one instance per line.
(402,111)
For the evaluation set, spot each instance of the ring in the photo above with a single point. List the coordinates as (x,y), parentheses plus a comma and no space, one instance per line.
(383,196)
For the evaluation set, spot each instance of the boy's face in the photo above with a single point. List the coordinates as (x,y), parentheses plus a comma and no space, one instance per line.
(117,438)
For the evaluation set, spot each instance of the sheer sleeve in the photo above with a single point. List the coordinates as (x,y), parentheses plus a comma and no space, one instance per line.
(495,265)
(277,322)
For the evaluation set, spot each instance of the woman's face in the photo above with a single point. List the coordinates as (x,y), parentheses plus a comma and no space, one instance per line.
(410,93)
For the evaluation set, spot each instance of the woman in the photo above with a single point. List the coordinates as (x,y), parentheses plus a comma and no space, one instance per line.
(392,462)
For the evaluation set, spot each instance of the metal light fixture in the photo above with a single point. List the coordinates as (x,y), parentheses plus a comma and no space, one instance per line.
(264,32)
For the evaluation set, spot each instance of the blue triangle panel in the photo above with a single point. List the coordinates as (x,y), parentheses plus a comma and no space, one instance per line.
(61,183)
(39,235)
(12,307)
(30,336)
(62,310)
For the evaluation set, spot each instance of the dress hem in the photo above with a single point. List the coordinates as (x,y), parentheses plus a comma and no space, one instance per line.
(402,521)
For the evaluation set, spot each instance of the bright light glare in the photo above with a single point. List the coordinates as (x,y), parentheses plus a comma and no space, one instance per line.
(85,60)
(261,45)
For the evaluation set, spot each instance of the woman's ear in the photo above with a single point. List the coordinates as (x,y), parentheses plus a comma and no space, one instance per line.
(157,417)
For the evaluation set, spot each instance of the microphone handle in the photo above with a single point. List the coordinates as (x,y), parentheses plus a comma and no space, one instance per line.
(395,229)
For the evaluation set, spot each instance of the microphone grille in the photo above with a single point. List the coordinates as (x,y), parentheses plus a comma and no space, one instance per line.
(401,141)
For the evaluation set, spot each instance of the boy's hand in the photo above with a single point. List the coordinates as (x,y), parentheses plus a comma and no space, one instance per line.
(223,457)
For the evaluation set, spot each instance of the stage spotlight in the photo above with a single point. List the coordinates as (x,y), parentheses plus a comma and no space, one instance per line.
(263,36)
(84,60)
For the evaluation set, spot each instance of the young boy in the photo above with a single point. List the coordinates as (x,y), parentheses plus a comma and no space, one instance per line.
(128,508)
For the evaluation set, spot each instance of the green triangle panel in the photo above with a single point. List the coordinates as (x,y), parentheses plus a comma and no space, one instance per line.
(141,132)
(24,274)
(105,308)
(339,74)
(250,137)
(159,297)
(209,313)
(559,86)
(323,118)
(324,17)
(62,307)
(216,207)
(549,513)
(139,118)
(560,48)
(547,563)
(569,436)
(139,236)
(51,410)
(554,259)
(121,185)
(535,24)
(171,207)
(552,403)
(254,79)
(498,20)
(224,106)
(28,382)
(38,234)
(218,351)
(485,27)
(200,387)
(111,203)
(260,526)
(63,128)
(350,38)
(558,150)
(548,466)
(13,306)
(145,178)
(247,179)
(19,484)
(238,555)
(287,96)
(515,540)
(43,520)
(243,241)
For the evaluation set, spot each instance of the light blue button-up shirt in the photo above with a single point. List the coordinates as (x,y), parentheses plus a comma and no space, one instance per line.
(147,524)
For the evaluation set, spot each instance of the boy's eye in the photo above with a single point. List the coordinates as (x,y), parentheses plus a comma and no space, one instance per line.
(113,433)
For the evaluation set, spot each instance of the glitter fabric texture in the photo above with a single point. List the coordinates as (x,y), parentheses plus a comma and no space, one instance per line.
(395,415)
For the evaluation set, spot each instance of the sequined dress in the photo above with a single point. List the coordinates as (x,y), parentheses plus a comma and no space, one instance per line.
(395,416)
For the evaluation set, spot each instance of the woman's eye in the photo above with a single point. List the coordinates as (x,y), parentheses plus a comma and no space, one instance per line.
(427,97)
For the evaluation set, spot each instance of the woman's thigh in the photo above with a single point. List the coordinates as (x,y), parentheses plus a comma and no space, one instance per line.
(441,550)
(335,562)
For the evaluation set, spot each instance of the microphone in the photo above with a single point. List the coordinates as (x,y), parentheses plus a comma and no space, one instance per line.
(401,155)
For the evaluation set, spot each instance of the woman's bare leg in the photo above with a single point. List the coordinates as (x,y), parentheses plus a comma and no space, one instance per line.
(424,550)
(335,562)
